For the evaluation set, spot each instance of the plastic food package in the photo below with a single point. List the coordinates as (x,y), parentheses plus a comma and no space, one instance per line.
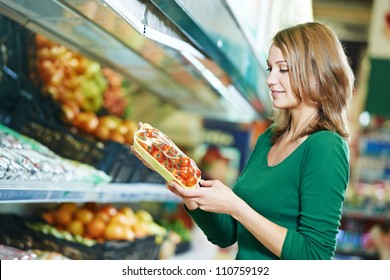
(22,158)
(159,151)
(11,253)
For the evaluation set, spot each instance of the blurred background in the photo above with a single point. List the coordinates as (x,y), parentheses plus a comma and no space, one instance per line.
(77,76)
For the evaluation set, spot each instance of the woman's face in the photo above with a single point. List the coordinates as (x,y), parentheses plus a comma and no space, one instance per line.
(278,80)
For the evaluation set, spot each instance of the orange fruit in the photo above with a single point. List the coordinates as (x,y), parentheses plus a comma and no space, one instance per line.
(75,227)
(69,206)
(48,217)
(103,216)
(120,219)
(114,231)
(96,228)
(109,209)
(62,217)
(128,234)
(84,215)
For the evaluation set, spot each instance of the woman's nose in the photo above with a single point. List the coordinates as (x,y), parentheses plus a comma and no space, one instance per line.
(271,79)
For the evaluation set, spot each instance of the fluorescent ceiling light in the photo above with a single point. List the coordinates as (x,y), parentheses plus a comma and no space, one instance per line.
(170,41)
(142,27)
(122,10)
(230,93)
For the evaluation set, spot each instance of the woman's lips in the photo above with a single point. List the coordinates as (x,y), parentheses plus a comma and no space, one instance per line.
(276,93)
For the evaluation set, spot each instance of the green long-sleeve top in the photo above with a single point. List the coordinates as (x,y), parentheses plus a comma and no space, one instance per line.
(304,193)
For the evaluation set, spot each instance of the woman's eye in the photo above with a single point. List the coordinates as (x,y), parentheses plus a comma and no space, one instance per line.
(269,69)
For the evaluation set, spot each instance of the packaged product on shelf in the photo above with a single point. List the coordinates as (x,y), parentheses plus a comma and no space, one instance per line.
(11,253)
(47,255)
(22,158)
(159,151)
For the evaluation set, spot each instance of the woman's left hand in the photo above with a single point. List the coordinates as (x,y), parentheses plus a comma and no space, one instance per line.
(212,196)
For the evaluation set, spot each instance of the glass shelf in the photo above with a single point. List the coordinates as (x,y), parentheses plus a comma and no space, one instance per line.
(357,253)
(31,192)
(366,214)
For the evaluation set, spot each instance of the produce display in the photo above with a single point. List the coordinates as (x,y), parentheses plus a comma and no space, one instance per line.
(90,223)
(93,231)
(84,88)
(114,99)
(159,151)
(68,76)
(93,99)
(88,231)
(179,231)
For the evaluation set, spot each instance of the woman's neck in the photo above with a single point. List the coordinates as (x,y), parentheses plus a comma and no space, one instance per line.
(300,121)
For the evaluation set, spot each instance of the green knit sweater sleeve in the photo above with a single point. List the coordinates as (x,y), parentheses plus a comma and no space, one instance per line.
(324,178)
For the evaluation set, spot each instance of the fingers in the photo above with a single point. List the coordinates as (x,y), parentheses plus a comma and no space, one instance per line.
(182,192)
(176,189)
(189,202)
(173,190)
(135,153)
(141,159)
(206,183)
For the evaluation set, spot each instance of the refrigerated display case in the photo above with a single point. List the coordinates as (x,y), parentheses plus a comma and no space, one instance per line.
(202,78)
(366,211)
(210,80)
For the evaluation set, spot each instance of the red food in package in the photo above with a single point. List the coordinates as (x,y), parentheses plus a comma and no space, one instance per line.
(159,151)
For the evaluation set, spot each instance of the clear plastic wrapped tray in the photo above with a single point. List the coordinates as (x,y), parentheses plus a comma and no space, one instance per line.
(159,151)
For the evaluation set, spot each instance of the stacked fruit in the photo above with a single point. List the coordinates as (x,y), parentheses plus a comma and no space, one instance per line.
(115,100)
(107,127)
(103,222)
(83,88)
(69,77)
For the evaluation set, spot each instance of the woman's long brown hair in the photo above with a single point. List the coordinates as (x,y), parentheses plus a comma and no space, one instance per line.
(319,69)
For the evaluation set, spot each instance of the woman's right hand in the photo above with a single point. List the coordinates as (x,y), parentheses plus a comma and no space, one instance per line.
(140,158)
(191,205)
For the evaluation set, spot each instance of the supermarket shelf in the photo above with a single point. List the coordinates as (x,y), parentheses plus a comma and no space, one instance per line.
(29,192)
(359,253)
(365,214)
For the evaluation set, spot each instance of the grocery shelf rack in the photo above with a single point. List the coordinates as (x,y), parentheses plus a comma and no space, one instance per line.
(28,192)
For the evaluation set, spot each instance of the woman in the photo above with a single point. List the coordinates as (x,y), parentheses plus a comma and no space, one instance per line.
(287,202)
